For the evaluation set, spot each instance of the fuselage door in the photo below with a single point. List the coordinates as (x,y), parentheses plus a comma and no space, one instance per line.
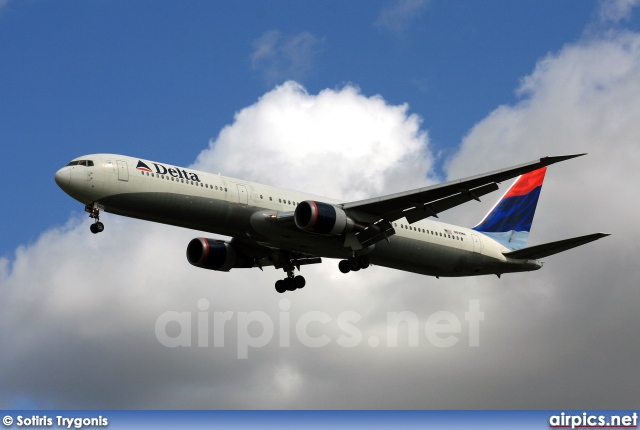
(243,197)
(477,244)
(123,171)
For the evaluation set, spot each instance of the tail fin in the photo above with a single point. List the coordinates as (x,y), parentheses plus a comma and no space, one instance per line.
(509,221)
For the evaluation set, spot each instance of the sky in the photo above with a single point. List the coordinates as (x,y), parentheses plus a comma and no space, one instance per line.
(344,101)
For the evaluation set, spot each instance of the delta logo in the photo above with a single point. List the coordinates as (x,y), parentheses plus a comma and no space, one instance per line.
(172,171)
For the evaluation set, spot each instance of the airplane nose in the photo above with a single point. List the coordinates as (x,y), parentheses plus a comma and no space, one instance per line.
(63,177)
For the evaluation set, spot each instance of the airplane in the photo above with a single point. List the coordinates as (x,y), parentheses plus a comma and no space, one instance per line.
(271,226)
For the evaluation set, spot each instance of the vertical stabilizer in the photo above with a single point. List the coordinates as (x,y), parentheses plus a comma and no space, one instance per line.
(509,221)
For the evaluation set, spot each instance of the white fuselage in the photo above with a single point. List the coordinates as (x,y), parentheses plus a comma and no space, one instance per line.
(232,207)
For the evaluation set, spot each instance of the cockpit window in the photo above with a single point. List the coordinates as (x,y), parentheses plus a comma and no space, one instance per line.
(88,163)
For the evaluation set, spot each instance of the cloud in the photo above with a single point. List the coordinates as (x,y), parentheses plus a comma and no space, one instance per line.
(79,311)
(581,99)
(73,299)
(280,57)
(398,17)
(615,11)
(337,143)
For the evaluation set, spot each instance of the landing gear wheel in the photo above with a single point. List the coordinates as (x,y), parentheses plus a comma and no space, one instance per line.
(354,266)
(97,227)
(290,284)
(94,213)
(289,262)
(344,266)
(363,261)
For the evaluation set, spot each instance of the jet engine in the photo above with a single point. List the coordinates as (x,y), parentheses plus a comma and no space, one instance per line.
(322,218)
(215,254)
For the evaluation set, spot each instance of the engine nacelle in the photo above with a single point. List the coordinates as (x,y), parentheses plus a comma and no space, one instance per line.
(216,255)
(322,218)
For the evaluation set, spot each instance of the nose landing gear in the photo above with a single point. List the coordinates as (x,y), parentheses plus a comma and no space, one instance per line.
(94,212)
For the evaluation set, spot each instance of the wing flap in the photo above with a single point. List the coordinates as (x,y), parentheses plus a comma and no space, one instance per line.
(551,248)
(376,232)
(420,212)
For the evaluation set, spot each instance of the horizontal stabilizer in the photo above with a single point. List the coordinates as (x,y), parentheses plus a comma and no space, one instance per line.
(547,249)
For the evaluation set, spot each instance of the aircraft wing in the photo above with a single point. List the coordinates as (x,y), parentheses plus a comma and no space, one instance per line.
(429,201)
(547,249)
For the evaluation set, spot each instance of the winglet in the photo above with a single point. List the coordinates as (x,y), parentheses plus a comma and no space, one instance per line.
(558,158)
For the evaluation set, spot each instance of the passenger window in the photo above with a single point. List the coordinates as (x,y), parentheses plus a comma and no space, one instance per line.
(270,199)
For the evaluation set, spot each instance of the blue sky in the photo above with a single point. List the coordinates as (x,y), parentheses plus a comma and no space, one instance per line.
(347,100)
(159,79)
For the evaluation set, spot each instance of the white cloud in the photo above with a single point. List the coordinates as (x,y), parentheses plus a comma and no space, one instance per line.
(338,143)
(73,298)
(398,17)
(78,312)
(582,99)
(280,57)
(616,10)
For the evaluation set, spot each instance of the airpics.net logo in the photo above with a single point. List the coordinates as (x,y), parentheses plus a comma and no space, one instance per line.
(313,329)
(589,420)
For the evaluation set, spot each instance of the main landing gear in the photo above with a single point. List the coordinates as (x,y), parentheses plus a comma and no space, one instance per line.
(354,264)
(291,282)
(94,212)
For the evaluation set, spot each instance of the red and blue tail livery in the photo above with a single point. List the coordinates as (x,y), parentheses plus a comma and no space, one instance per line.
(509,221)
